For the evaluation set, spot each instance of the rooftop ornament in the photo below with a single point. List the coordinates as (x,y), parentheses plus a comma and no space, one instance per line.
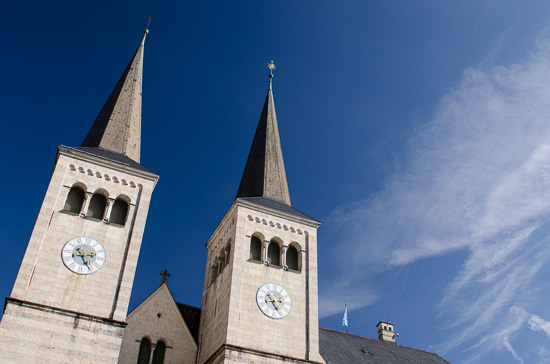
(271,67)
(165,276)
(146,31)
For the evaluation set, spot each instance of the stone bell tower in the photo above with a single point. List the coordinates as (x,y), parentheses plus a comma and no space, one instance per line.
(71,295)
(260,293)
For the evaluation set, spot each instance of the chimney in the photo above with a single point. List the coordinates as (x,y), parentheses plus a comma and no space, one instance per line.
(386,332)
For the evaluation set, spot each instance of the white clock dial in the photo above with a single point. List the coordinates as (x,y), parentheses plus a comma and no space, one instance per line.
(273,300)
(83,255)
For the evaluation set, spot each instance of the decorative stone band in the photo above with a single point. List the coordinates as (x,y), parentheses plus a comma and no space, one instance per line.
(273,224)
(227,349)
(63,312)
(98,174)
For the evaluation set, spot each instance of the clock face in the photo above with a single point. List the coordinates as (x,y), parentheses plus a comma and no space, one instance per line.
(83,255)
(273,300)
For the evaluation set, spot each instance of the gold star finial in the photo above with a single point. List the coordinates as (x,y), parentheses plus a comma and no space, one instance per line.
(271,66)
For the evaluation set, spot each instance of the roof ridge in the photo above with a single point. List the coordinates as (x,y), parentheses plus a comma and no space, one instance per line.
(381,341)
(99,156)
(101,148)
(276,205)
(185,304)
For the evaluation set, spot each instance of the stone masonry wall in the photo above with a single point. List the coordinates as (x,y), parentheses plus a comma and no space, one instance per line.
(36,335)
(44,279)
(236,356)
(230,313)
(215,302)
(250,328)
(169,327)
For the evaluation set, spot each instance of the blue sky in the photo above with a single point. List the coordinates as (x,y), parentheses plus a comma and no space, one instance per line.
(417,132)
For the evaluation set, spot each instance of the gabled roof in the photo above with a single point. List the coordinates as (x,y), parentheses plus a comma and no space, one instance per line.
(340,348)
(163,289)
(264,174)
(192,317)
(118,125)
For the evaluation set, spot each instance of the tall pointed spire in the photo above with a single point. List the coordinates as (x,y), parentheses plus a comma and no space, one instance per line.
(118,125)
(264,174)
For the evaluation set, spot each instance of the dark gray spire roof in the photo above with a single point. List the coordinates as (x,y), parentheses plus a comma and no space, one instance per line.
(118,125)
(264,174)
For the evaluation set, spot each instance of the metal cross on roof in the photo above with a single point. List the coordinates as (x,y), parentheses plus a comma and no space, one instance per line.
(165,276)
(149,20)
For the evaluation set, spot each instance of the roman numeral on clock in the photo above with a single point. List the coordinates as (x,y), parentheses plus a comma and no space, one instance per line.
(83,255)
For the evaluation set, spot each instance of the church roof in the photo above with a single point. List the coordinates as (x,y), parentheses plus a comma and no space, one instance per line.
(337,347)
(264,174)
(277,205)
(110,156)
(118,125)
(192,317)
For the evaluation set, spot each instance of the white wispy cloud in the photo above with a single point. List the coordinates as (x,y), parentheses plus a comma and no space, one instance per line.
(510,348)
(536,323)
(477,178)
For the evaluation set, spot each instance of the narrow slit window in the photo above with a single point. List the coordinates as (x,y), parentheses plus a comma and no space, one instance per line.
(74,201)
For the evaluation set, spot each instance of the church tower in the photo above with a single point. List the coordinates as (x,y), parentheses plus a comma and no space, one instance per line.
(71,295)
(260,292)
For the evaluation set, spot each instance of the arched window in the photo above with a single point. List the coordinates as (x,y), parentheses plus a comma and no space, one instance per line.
(255,249)
(144,351)
(119,212)
(292,258)
(274,253)
(227,253)
(214,273)
(158,355)
(97,206)
(74,201)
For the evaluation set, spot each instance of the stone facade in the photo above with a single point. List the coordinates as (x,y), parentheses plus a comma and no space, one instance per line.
(232,354)
(39,334)
(158,319)
(44,280)
(230,314)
